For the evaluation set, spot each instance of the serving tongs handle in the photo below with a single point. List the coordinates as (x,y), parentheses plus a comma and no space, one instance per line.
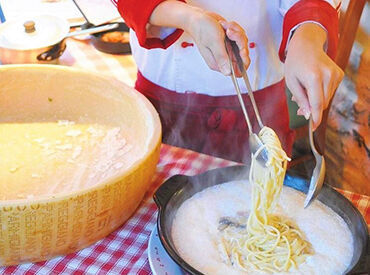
(255,143)
(242,70)
(237,88)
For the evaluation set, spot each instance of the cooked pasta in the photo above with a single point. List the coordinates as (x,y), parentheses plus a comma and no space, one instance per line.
(266,242)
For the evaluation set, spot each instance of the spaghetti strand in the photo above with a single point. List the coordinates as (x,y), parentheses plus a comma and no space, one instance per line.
(268,242)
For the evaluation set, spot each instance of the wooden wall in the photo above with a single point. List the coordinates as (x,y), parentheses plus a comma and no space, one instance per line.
(348,130)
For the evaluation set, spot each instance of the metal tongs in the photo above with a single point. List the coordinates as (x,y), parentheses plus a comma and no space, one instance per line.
(318,174)
(254,141)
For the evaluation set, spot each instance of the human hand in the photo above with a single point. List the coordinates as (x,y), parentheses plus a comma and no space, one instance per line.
(208,31)
(310,74)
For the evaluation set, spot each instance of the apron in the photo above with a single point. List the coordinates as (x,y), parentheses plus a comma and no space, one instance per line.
(216,125)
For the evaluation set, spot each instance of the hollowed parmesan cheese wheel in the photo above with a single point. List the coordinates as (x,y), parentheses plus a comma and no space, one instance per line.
(44,159)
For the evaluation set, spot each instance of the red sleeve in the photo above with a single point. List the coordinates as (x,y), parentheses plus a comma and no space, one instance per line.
(136,14)
(311,10)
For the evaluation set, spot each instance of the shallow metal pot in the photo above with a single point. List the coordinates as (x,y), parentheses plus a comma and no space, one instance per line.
(30,41)
(177,189)
(48,55)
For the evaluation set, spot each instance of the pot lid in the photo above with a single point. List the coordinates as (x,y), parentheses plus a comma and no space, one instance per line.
(33,33)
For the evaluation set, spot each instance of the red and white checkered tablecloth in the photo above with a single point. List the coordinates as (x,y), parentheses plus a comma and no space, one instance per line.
(125,250)
(82,54)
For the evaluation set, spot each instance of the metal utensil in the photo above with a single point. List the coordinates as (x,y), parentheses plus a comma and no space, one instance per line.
(93,30)
(255,142)
(318,173)
(57,50)
(38,39)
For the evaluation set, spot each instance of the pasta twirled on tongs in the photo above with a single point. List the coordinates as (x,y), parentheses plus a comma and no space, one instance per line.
(267,242)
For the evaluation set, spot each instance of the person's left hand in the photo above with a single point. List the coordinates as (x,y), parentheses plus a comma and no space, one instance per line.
(310,74)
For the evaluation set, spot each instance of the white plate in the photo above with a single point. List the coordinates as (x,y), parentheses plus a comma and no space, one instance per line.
(159,261)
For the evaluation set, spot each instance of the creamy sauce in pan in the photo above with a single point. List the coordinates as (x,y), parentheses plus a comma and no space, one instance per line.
(196,235)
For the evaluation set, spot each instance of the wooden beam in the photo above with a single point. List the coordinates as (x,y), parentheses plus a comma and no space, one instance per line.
(348,31)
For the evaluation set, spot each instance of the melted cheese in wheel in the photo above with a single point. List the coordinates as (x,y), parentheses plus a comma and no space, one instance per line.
(43,159)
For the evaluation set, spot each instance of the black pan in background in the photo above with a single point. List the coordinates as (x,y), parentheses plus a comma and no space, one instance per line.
(173,192)
(111,47)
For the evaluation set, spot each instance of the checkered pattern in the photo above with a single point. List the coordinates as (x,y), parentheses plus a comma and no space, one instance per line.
(362,203)
(82,54)
(125,250)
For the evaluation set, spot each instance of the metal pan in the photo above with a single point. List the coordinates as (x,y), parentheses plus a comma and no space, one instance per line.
(39,39)
(112,47)
(172,193)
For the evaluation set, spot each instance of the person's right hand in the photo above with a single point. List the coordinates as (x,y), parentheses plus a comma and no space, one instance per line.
(208,31)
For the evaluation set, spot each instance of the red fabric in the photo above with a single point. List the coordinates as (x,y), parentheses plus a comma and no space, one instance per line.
(216,125)
(136,15)
(124,251)
(187,44)
(222,119)
(311,10)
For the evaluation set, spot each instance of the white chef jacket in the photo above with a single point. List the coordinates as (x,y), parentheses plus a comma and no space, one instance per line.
(182,69)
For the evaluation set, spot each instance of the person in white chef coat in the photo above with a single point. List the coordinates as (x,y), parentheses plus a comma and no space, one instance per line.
(183,68)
